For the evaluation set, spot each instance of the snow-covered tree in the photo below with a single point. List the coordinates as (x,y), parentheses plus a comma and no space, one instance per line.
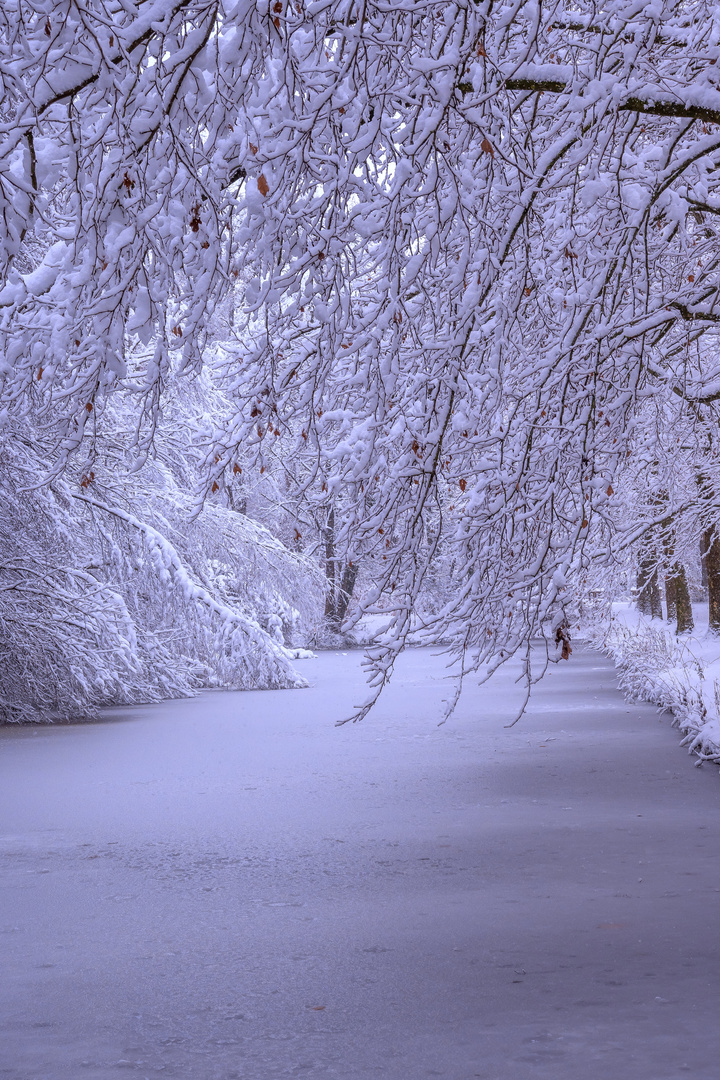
(472,239)
(116,587)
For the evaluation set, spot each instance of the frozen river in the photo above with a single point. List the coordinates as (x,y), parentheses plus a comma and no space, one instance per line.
(232,887)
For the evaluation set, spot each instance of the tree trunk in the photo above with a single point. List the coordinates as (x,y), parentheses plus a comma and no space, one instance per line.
(346,590)
(648,600)
(682,600)
(711,559)
(330,569)
(671,593)
(677,597)
(339,585)
(670,577)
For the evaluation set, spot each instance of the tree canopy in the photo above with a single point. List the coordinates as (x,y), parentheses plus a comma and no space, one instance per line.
(472,254)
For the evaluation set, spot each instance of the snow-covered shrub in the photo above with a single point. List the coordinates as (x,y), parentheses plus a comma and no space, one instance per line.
(657,667)
(116,588)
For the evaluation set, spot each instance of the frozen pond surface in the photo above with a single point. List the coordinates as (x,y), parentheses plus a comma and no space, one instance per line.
(231,887)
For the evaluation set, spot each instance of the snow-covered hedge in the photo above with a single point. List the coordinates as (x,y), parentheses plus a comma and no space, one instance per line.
(680,674)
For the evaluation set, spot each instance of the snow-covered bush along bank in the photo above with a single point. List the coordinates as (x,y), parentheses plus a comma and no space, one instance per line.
(678,673)
(115,590)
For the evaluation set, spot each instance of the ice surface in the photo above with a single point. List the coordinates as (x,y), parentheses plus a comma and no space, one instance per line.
(232,887)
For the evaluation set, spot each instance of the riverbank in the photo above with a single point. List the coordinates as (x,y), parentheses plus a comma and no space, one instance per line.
(681,674)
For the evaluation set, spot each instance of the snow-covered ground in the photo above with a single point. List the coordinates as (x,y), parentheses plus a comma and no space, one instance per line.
(231,887)
(681,674)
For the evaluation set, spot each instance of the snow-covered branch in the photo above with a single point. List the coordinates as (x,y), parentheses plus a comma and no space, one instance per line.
(471,259)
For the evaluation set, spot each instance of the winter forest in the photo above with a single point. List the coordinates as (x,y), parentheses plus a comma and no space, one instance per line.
(362,357)
(317,314)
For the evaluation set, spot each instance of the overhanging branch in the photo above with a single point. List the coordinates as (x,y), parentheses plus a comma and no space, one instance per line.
(694,316)
(651,107)
(671,108)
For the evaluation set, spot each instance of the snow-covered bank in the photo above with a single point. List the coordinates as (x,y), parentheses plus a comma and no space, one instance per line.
(678,673)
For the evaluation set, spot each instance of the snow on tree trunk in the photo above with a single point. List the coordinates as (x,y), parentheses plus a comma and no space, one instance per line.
(683,607)
(347,585)
(331,569)
(671,594)
(648,589)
